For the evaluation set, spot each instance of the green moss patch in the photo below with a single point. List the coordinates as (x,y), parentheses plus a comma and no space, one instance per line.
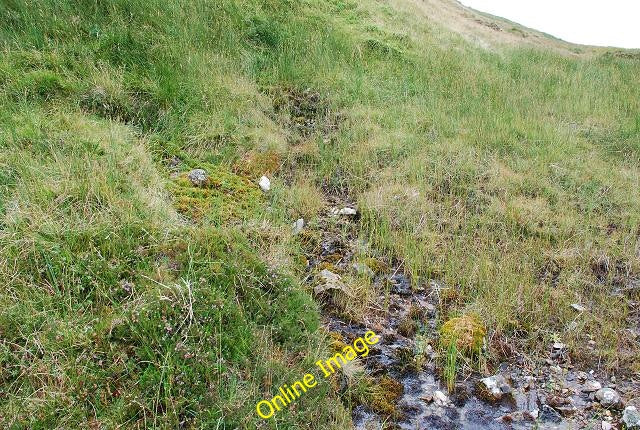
(223,197)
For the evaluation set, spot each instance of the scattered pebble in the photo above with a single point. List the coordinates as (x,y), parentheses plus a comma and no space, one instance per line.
(440,398)
(298,226)
(578,307)
(591,386)
(265,184)
(346,211)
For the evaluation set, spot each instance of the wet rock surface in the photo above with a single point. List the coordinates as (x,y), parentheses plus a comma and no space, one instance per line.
(522,395)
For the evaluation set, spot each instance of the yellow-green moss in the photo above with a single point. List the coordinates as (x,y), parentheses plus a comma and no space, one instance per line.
(378,266)
(467,332)
(337,343)
(384,396)
(223,197)
(328,266)
(256,164)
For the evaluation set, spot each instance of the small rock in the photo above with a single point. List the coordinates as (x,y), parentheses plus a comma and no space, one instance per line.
(559,346)
(427,398)
(608,397)
(582,376)
(347,211)
(556,401)
(298,226)
(591,386)
(494,388)
(331,281)
(606,425)
(518,416)
(578,307)
(631,417)
(198,177)
(548,414)
(265,184)
(440,398)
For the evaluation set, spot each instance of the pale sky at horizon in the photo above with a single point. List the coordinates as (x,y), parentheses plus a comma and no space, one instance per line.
(611,23)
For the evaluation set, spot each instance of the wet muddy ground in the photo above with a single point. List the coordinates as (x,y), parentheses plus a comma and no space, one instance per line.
(553,396)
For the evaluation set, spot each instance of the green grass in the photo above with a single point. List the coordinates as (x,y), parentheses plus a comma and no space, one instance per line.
(132,299)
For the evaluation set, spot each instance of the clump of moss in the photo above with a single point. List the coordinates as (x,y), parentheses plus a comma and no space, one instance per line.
(384,395)
(223,197)
(337,343)
(255,164)
(328,266)
(466,332)
(378,266)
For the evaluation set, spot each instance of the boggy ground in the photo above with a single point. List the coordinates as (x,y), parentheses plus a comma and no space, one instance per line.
(402,384)
(133,298)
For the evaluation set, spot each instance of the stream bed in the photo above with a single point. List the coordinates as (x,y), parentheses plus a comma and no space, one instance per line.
(406,319)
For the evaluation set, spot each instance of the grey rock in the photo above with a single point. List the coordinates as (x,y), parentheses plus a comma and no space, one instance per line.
(198,177)
(608,397)
(591,386)
(550,415)
(631,417)
(494,388)
(331,281)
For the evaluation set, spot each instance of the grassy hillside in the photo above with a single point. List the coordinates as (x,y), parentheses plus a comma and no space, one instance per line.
(133,298)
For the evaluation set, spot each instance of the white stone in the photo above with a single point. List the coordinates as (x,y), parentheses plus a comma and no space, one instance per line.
(578,307)
(440,398)
(494,387)
(298,226)
(265,184)
(347,211)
